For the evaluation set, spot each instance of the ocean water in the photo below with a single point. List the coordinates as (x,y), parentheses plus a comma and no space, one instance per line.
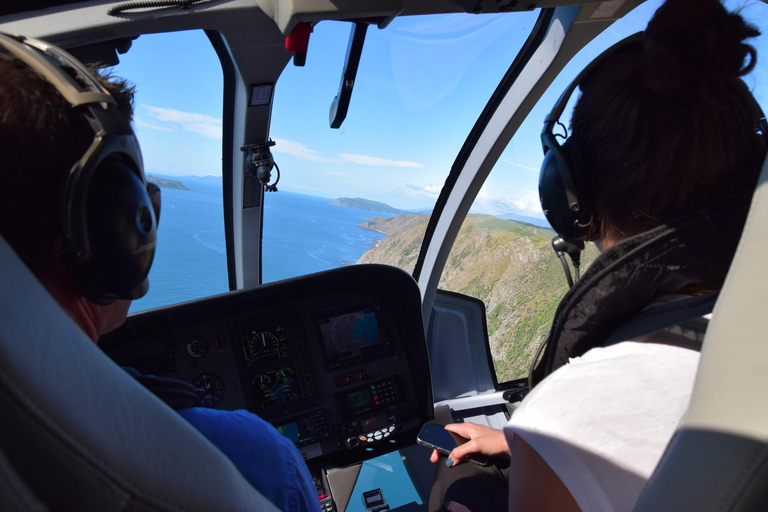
(302,234)
(305,234)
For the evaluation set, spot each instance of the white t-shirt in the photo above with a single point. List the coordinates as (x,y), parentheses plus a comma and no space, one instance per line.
(603,421)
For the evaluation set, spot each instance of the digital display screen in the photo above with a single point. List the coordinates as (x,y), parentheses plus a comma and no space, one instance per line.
(275,387)
(374,423)
(261,345)
(359,399)
(299,432)
(349,336)
(373,498)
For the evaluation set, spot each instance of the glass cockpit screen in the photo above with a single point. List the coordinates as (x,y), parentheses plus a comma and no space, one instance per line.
(351,337)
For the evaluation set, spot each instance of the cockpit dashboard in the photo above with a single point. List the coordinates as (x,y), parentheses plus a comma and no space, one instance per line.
(336,361)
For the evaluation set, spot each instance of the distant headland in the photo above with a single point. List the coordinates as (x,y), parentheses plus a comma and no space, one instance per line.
(359,203)
(164,183)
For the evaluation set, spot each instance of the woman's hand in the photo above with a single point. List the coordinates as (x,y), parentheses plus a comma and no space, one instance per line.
(482,440)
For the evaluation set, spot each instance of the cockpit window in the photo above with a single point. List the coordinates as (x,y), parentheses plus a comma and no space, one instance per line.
(178,107)
(364,192)
(503,254)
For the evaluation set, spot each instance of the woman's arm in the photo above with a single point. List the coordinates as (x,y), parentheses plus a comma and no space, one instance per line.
(532,483)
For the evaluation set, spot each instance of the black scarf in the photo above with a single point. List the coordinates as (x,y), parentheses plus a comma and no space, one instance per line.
(692,250)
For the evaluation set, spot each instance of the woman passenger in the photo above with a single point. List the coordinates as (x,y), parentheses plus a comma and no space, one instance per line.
(666,145)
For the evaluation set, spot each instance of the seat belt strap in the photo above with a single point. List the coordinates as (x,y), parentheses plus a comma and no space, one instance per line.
(665,315)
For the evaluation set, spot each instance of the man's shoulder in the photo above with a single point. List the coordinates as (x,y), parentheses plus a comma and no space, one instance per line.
(231,422)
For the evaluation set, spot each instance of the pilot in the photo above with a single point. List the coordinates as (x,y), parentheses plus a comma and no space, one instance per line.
(43,140)
(665,151)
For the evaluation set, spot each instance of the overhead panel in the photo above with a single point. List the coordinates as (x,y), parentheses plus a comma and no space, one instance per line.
(288,13)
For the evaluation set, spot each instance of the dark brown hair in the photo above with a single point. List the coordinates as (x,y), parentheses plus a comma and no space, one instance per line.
(41,138)
(667,127)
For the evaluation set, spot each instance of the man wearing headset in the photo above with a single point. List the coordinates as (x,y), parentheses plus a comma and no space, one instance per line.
(76,208)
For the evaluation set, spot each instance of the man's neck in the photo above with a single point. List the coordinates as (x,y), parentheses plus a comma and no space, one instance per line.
(85,313)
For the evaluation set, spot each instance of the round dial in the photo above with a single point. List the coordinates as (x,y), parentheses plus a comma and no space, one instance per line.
(209,388)
(197,347)
(285,374)
(275,387)
(263,343)
(261,379)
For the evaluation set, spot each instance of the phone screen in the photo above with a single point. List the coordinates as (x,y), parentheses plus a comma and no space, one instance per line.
(435,436)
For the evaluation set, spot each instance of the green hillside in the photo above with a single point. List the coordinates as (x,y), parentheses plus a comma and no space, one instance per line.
(510,266)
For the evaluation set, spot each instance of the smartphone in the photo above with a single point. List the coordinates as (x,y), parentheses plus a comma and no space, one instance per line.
(436,437)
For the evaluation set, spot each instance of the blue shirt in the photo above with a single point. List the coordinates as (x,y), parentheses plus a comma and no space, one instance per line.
(268,460)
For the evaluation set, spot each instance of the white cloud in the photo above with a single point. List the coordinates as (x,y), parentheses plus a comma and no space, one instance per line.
(429,190)
(510,162)
(518,200)
(526,203)
(299,150)
(152,126)
(202,124)
(378,162)
(206,130)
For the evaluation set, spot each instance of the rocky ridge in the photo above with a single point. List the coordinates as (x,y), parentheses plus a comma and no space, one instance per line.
(508,265)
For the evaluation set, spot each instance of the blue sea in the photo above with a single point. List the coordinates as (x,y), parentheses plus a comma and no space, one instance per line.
(302,234)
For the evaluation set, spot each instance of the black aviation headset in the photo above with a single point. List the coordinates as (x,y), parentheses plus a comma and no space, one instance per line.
(562,192)
(561,188)
(109,210)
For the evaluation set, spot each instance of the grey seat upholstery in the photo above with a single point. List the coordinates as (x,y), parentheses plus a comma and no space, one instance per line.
(83,435)
(718,459)
(14,493)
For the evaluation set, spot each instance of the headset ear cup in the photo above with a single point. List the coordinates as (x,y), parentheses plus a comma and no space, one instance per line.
(583,219)
(121,232)
(574,158)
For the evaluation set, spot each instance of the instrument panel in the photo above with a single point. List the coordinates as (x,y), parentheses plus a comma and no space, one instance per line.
(336,361)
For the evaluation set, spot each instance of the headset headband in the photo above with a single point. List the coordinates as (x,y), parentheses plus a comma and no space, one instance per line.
(114,159)
(557,110)
(81,91)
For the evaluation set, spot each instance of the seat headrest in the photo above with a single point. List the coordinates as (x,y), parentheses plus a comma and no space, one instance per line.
(81,432)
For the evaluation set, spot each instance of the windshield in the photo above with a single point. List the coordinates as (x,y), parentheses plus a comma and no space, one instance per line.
(179,129)
(502,254)
(421,84)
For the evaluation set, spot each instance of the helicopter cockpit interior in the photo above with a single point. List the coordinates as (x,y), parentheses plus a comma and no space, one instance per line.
(348,357)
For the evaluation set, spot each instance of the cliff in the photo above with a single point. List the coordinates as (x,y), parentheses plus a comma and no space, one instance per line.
(508,265)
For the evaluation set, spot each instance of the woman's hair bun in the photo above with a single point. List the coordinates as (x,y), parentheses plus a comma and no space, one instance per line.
(689,43)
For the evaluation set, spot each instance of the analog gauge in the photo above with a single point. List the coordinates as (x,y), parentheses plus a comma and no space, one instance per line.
(263,343)
(275,387)
(209,388)
(285,374)
(261,380)
(197,347)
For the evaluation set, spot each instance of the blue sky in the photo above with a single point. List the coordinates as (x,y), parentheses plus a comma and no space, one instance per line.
(422,83)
